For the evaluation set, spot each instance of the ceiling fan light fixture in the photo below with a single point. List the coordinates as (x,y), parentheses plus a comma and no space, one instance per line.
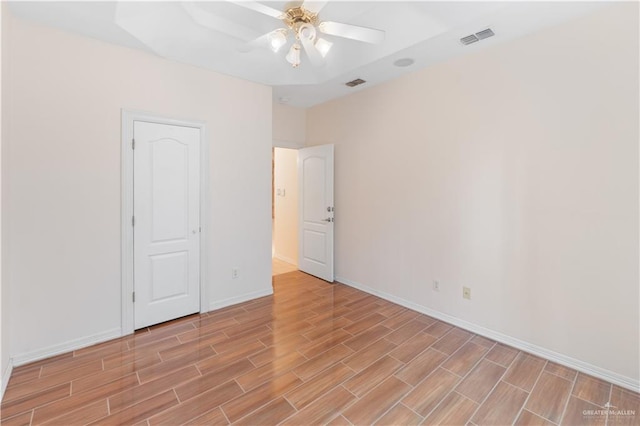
(293,57)
(277,39)
(308,31)
(323,46)
(304,25)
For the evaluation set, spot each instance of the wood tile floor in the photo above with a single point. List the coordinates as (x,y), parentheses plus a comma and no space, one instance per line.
(282,267)
(313,353)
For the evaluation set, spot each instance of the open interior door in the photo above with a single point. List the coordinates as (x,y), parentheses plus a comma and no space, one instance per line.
(316,212)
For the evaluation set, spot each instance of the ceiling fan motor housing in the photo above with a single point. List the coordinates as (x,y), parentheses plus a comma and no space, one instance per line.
(296,16)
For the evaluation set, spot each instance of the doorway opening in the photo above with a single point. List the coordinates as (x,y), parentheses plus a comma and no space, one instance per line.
(284,247)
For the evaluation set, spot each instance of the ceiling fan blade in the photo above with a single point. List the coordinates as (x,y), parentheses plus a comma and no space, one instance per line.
(354,32)
(313,54)
(211,21)
(259,7)
(314,6)
(256,43)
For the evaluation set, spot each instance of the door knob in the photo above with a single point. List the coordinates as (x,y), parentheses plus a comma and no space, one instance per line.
(329,219)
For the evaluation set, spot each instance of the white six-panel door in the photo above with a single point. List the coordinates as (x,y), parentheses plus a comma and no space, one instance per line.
(316,211)
(166,222)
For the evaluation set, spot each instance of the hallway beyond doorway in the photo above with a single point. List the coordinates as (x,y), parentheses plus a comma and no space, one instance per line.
(282,267)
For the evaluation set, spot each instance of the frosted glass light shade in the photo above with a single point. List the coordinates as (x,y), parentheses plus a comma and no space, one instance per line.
(293,57)
(277,39)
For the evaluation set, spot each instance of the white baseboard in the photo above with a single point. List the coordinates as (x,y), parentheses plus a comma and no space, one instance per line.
(576,364)
(285,259)
(6,374)
(61,348)
(114,333)
(219,304)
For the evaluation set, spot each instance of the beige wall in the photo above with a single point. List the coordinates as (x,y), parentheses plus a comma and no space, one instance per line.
(4,299)
(285,224)
(513,171)
(289,126)
(66,93)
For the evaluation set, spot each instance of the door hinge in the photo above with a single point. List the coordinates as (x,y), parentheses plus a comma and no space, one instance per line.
(133,296)
(133,144)
(133,221)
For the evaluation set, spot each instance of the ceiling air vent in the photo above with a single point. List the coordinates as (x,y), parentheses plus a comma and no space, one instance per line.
(468,39)
(356,82)
(485,34)
(472,38)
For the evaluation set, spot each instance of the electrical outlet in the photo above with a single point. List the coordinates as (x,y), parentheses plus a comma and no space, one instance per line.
(235,273)
(436,285)
(466,293)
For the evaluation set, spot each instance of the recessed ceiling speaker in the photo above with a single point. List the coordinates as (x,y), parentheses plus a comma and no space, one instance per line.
(404,62)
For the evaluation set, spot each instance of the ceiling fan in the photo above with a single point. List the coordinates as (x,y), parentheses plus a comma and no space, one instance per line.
(302,22)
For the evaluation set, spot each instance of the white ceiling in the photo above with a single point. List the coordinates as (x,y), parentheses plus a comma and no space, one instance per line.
(425,31)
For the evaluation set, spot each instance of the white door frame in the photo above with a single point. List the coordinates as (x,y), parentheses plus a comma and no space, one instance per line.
(279,143)
(127,260)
